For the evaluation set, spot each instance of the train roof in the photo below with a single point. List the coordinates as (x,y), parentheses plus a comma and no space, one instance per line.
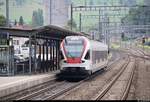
(91,40)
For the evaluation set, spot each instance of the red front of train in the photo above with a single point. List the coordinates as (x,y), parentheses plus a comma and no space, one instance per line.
(73,51)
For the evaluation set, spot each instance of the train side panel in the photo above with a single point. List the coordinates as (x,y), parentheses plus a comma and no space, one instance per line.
(99,55)
(98,58)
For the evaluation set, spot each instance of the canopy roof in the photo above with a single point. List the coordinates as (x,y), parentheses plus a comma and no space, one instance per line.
(49,31)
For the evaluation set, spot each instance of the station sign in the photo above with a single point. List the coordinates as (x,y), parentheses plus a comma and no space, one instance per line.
(4,38)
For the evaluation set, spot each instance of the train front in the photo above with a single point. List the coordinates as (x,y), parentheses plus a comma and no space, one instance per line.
(73,62)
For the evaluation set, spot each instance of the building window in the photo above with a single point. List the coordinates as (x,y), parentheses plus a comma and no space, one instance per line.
(15,42)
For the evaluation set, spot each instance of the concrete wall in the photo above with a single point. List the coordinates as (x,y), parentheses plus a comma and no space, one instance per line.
(59,14)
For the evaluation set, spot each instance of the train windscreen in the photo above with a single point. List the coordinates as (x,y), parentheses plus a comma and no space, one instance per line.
(74,47)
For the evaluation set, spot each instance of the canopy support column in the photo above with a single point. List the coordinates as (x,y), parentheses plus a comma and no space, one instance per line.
(30,56)
(35,59)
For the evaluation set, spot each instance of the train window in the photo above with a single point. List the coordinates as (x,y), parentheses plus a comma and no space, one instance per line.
(87,57)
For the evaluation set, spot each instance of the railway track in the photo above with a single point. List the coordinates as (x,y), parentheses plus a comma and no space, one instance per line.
(138,53)
(55,90)
(105,85)
(127,70)
(28,90)
(145,54)
(49,90)
(104,94)
(70,95)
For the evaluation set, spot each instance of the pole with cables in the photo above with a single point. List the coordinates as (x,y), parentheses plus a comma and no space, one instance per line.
(80,23)
(71,16)
(50,11)
(7,13)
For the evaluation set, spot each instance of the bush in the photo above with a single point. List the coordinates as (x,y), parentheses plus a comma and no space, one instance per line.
(2,20)
(147,43)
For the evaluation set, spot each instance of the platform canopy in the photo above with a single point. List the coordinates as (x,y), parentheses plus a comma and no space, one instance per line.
(49,31)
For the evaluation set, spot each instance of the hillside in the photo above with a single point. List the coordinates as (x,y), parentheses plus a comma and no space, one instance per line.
(24,9)
(92,23)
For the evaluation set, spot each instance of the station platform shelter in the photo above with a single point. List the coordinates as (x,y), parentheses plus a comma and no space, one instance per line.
(43,50)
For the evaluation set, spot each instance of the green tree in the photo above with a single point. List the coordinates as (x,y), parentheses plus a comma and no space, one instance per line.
(20,2)
(21,21)
(1,4)
(41,18)
(91,2)
(34,19)
(74,25)
(15,23)
(2,20)
(139,16)
(37,18)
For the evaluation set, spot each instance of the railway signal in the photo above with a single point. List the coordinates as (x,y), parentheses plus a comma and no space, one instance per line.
(122,36)
(143,40)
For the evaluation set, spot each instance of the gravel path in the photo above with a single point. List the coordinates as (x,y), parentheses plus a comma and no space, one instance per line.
(140,89)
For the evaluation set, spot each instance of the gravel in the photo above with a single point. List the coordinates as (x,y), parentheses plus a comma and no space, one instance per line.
(140,89)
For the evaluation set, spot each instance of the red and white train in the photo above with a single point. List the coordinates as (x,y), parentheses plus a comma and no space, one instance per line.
(82,56)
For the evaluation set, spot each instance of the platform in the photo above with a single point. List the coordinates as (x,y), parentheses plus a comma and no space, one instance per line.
(13,84)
